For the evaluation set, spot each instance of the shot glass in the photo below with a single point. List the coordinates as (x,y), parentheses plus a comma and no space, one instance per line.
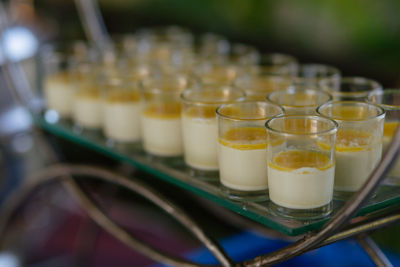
(242,146)
(312,74)
(301,165)
(58,83)
(244,55)
(217,74)
(199,125)
(88,100)
(122,108)
(261,81)
(279,63)
(161,115)
(350,88)
(359,142)
(299,99)
(389,100)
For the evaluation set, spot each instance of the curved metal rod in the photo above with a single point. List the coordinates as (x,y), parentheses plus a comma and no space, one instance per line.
(341,218)
(363,227)
(92,22)
(375,253)
(62,171)
(21,88)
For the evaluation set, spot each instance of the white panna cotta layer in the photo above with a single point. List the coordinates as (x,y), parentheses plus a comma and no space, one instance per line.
(244,170)
(122,121)
(303,188)
(200,139)
(59,95)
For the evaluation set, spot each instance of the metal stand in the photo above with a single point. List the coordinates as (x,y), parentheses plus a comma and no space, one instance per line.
(94,27)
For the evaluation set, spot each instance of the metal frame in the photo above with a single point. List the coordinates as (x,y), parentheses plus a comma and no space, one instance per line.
(94,27)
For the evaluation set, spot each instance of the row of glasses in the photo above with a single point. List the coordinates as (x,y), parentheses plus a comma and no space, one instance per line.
(308,156)
(162,114)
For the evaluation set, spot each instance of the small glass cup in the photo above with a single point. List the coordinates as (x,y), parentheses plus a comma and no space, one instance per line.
(312,74)
(279,63)
(261,81)
(350,88)
(299,99)
(213,46)
(242,146)
(301,165)
(161,115)
(217,74)
(57,83)
(199,125)
(244,55)
(359,142)
(88,100)
(160,46)
(122,108)
(389,100)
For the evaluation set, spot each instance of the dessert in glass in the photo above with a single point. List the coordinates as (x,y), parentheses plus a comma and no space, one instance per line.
(274,73)
(359,142)
(300,170)
(242,144)
(311,74)
(58,85)
(199,125)
(389,100)
(122,110)
(279,63)
(299,99)
(161,115)
(218,74)
(350,88)
(88,100)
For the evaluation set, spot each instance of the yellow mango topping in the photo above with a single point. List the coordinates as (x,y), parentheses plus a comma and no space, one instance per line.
(163,110)
(88,92)
(296,159)
(245,138)
(206,112)
(389,128)
(352,140)
(117,96)
(350,113)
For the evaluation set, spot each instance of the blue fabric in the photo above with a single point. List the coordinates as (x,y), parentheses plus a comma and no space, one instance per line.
(247,245)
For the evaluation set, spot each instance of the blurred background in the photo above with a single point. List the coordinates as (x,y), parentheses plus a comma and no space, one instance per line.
(360,37)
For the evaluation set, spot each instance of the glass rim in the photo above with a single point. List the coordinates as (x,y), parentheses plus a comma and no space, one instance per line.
(187,91)
(381,112)
(294,89)
(331,130)
(333,71)
(236,118)
(157,89)
(388,91)
(357,80)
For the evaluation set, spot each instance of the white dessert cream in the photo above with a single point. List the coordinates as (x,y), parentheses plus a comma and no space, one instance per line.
(122,110)
(300,179)
(88,108)
(200,137)
(59,93)
(242,159)
(389,130)
(357,154)
(161,129)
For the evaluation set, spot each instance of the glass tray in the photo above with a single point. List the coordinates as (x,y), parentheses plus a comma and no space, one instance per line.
(175,172)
